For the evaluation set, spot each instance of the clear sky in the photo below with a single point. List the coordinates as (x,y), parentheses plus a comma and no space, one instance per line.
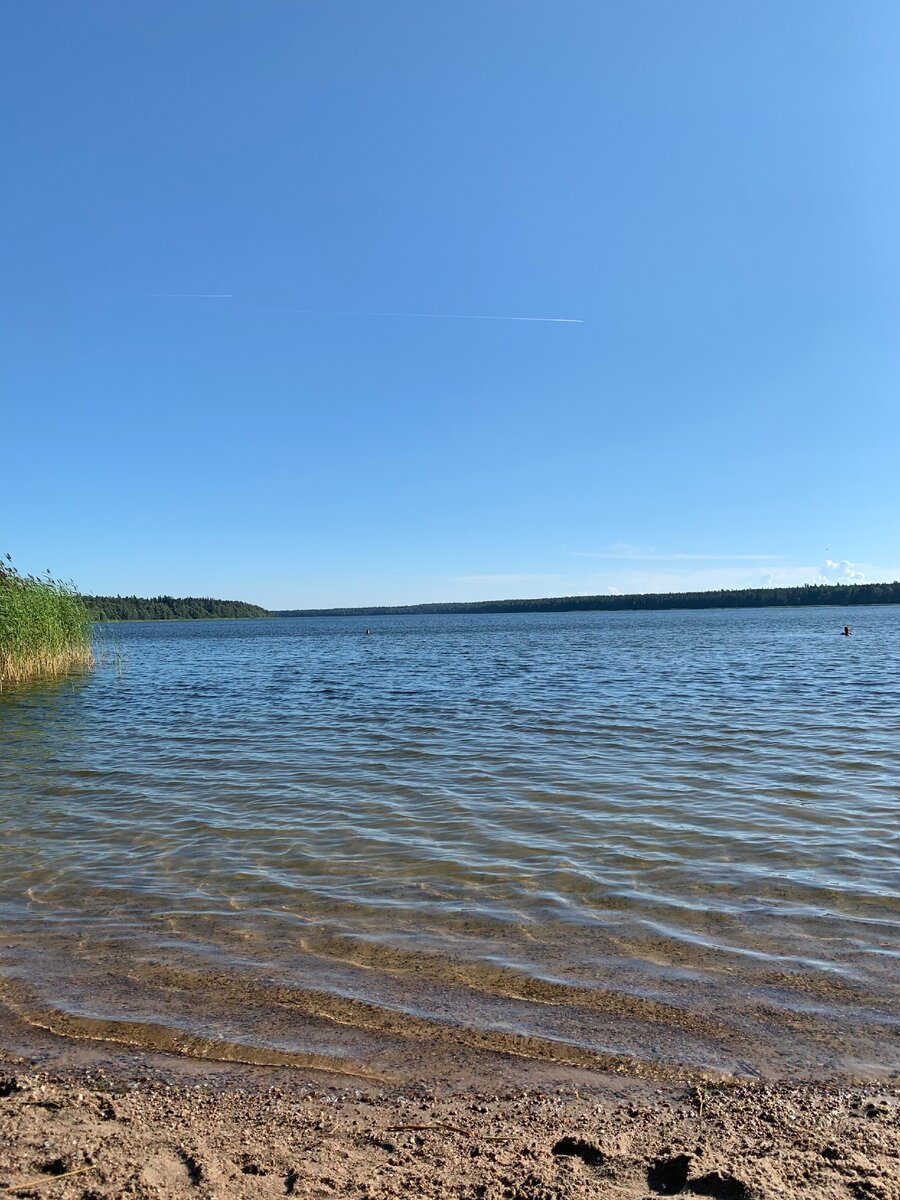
(244,246)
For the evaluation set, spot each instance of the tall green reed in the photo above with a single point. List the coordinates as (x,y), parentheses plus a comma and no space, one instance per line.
(45,628)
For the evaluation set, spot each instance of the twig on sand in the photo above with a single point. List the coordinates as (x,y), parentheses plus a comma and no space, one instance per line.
(29,1185)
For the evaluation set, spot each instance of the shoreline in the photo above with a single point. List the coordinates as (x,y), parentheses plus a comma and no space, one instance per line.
(149,1128)
(218,1021)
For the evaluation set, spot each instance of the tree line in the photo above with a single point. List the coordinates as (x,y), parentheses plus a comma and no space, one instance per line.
(840,594)
(167,608)
(171,608)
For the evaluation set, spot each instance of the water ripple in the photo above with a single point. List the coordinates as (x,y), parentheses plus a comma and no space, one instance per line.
(575,812)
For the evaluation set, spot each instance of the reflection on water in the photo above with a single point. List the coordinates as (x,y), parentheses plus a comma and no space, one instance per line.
(670,838)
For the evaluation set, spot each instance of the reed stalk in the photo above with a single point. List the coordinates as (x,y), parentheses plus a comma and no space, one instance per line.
(45,628)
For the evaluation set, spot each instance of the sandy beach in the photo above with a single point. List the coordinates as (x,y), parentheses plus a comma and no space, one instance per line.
(93,1133)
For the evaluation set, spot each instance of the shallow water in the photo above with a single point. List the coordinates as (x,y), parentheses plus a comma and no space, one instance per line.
(668,840)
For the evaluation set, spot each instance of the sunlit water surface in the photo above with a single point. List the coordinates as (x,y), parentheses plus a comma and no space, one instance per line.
(668,840)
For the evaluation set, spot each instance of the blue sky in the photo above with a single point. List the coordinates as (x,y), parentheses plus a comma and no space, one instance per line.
(206,207)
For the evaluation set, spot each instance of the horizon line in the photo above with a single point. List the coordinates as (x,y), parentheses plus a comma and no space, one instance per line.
(356,609)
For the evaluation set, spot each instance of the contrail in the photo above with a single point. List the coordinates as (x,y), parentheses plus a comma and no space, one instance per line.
(331,312)
(189,295)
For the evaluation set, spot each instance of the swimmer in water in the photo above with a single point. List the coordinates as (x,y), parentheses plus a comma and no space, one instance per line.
(369,632)
(846,632)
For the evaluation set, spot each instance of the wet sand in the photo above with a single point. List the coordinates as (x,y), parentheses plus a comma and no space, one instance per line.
(147,1129)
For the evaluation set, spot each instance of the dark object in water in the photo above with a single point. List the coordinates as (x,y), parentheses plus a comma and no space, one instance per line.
(846,632)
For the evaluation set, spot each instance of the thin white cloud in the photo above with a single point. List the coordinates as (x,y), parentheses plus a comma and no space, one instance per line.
(714,577)
(622,555)
(700,579)
(189,295)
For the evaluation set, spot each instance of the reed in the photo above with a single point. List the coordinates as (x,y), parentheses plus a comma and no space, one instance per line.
(45,628)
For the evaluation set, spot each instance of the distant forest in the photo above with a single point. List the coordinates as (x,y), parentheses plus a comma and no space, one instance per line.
(167,608)
(171,608)
(840,594)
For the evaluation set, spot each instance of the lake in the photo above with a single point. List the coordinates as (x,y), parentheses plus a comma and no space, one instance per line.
(664,841)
